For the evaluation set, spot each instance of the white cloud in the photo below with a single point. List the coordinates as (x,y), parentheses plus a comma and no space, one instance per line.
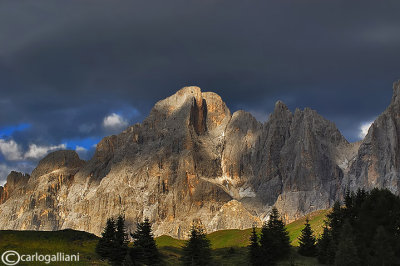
(11,150)
(38,152)
(81,151)
(4,171)
(114,121)
(364,129)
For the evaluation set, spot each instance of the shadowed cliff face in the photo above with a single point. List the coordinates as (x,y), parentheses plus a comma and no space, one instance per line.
(191,160)
(378,160)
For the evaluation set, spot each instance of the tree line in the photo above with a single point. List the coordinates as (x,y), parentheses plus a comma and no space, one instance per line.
(113,245)
(365,230)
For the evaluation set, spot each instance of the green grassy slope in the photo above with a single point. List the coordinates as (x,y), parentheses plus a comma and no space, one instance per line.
(45,242)
(240,238)
(229,246)
(316,220)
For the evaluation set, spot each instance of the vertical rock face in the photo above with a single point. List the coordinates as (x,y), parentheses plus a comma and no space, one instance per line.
(15,180)
(378,160)
(36,202)
(192,160)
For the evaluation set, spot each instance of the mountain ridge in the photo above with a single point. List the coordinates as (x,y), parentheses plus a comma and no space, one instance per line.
(191,160)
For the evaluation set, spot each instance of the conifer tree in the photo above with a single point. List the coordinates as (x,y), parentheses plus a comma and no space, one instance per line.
(307,245)
(325,247)
(144,249)
(279,233)
(106,243)
(267,246)
(275,242)
(335,221)
(128,261)
(197,250)
(121,240)
(254,248)
(346,254)
(108,246)
(383,253)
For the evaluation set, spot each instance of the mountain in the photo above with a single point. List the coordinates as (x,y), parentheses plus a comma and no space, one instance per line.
(191,160)
(378,160)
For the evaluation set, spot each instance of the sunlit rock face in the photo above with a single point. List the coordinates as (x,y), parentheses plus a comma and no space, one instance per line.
(191,160)
(15,180)
(37,201)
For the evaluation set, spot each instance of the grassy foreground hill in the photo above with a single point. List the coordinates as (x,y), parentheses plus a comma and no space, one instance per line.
(229,246)
(50,242)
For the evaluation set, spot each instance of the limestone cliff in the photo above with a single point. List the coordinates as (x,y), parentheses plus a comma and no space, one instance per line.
(15,180)
(192,160)
(378,160)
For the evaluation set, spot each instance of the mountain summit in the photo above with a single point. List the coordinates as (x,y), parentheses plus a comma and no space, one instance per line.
(192,160)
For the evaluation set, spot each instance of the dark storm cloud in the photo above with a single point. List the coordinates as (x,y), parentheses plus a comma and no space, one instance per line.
(67,65)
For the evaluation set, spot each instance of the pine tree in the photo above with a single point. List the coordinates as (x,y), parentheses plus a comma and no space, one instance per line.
(346,254)
(144,246)
(348,199)
(128,261)
(267,246)
(325,247)
(275,242)
(335,221)
(254,249)
(106,245)
(121,241)
(107,240)
(279,234)
(383,253)
(307,246)
(197,250)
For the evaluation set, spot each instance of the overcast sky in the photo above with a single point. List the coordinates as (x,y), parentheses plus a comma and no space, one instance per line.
(72,72)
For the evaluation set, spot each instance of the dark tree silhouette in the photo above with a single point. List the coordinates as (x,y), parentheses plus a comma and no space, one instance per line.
(307,245)
(346,254)
(372,234)
(106,243)
(197,250)
(275,242)
(254,249)
(144,249)
(113,244)
(121,240)
(335,221)
(382,249)
(325,247)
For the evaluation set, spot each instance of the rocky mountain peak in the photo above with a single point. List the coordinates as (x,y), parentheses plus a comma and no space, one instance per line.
(200,111)
(191,159)
(281,111)
(56,160)
(396,92)
(16,177)
(280,106)
(191,91)
(14,181)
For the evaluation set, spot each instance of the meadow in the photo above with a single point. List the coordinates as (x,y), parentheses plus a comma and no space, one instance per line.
(229,247)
